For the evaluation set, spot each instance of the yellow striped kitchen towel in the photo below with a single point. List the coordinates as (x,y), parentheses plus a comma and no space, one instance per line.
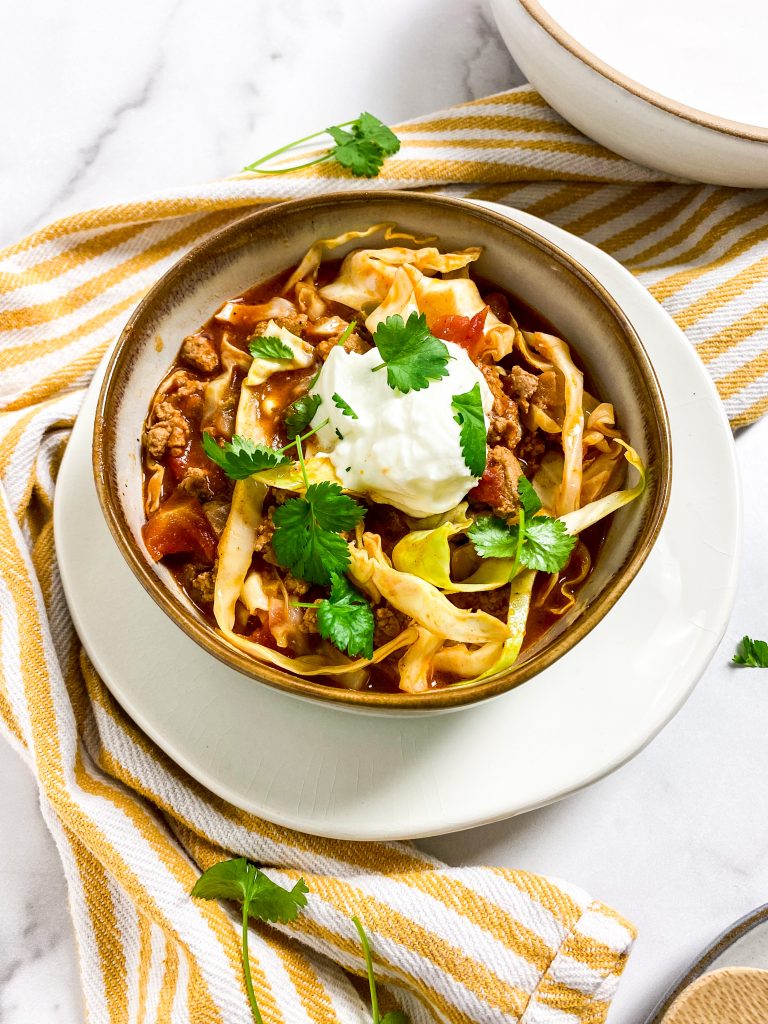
(457,945)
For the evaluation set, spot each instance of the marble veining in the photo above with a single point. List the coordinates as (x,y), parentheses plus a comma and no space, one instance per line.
(103,102)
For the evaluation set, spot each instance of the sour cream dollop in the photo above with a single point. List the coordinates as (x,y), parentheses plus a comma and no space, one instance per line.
(403,450)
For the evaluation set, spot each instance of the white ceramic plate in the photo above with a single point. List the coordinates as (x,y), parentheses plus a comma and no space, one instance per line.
(356,775)
(678,85)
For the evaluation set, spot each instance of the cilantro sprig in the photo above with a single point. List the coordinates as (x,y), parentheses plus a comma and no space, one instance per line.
(751,653)
(241,457)
(412,355)
(241,881)
(361,146)
(537,542)
(471,419)
(308,538)
(346,619)
(269,348)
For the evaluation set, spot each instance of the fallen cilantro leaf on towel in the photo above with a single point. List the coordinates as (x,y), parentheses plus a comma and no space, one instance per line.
(361,146)
(269,348)
(471,419)
(346,409)
(240,457)
(307,539)
(365,146)
(412,356)
(752,653)
(393,1016)
(260,897)
(346,619)
(300,413)
(537,542)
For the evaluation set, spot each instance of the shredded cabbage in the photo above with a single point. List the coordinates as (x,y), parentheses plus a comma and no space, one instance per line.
(559,354)
(579,520)
(245,516)
(328,664)
(427,554)
(416,664)
(288,476)
(261,370)
(366,274)
(418,599)
(239,314)
(521,589)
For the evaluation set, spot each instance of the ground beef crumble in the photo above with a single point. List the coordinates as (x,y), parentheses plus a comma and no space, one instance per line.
(388,622)
(504,427)
(199,353)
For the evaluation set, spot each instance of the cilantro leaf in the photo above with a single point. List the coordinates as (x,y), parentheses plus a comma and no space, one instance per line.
(492,537)
(370,127)
(269,348)
(339,402)
(547,545)
(752,653)
(241,458)
(346,619)
(307,539)
(412,356)
(261,898)
(363,148)
(300,413)
(469,415)
(529,499)
(240,880)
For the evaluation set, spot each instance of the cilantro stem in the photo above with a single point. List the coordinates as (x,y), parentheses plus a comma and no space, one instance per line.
(286,170)
(301,464)
(247,966)
(520,539)
(346,333)
(369,968)
(291,145)
(304,437)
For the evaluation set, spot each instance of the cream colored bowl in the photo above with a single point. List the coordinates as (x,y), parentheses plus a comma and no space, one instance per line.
(516,259)
(678,85)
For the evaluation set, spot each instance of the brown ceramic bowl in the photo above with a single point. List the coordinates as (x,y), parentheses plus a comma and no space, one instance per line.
(516,259)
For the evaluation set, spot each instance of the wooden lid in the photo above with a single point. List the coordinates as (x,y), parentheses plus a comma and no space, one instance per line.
(734,995)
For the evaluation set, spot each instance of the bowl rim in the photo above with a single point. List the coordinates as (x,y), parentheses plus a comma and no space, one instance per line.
(713,122)
(204,635)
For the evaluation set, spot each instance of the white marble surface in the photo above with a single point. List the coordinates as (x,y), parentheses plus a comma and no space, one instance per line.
(102,101)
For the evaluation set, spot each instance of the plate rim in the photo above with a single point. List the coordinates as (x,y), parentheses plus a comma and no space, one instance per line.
(441,823)
(703,119)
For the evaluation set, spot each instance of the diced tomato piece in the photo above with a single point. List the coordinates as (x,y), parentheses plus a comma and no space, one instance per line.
(194,458)
(179,526)
(466,331)
(490,487)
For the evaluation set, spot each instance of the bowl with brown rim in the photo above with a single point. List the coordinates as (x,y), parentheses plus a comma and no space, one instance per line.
(514,258)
